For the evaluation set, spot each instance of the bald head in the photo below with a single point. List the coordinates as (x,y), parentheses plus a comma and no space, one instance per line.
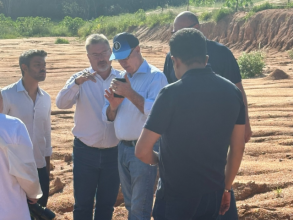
(185,19)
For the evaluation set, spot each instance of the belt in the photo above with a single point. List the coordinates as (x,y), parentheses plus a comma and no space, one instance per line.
(129,143)
(108,148)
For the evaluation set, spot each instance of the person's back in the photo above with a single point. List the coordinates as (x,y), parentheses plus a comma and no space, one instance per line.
(198,117)
(13,202)
(203,111)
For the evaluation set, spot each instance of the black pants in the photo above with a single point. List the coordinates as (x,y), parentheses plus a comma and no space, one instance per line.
(45,185)
(205,207)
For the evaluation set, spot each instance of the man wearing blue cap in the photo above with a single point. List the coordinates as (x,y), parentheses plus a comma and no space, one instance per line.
(129,112)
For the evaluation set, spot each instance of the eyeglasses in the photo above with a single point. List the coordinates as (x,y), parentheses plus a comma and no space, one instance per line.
(173,32)
(103,54)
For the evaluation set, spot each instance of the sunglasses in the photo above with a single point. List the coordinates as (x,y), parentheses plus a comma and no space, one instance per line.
(173,32)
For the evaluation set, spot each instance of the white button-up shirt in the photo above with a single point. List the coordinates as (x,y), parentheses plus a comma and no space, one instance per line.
(16,149)
(89,99)
(36,117)
(146,81)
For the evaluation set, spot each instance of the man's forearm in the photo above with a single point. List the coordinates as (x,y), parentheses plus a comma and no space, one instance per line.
(137,100)
(233,163)
(111,114)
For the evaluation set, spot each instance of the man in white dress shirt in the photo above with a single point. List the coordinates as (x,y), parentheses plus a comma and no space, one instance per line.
(32,105)
(143,83)
(95,152)
(19,177)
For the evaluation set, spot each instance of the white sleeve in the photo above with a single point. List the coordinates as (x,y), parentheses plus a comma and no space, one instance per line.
(6,105)
(27,174)
(48,150)
(104,112)
(159,82)
(67,97)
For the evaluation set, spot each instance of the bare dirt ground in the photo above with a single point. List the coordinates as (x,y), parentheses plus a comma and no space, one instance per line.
(264,184)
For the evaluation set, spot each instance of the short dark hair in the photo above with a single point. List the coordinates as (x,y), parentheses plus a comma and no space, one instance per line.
(189,45)
(25,57)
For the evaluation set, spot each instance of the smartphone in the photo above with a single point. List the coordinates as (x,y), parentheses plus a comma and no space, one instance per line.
(121,80)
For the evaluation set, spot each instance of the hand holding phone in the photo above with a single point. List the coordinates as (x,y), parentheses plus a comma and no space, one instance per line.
(121,80)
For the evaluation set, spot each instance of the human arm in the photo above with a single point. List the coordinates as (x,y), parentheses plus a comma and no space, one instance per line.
(6,105)
(144,147)
(248,132)
(234,159)
(125,89)
(156,124)
(67,97)
(48,150)
(144,104)
(111,105)
(26,174)
(235,154)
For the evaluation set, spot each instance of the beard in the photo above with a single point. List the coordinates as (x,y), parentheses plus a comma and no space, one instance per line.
(103,66)
(40,77)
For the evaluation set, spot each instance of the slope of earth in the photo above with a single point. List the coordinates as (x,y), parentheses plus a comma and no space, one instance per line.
(271,28)
(264,183)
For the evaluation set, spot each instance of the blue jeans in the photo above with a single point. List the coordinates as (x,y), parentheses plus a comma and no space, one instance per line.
(95,176)
(204,207)
(137,182)
(231,214)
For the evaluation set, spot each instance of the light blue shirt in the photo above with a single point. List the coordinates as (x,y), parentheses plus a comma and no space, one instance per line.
(147,81)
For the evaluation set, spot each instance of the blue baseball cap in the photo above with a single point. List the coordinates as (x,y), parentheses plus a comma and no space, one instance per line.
(123,43)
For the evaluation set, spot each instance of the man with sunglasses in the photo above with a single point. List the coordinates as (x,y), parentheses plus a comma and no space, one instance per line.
(222,61)
(95,170)
(128,114)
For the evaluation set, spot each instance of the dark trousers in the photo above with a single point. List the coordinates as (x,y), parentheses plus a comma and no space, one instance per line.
(204,207)
(45,186)
(95,176)
(231,214)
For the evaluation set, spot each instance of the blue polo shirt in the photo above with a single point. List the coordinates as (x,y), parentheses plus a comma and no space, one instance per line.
(221,60)
(195,116)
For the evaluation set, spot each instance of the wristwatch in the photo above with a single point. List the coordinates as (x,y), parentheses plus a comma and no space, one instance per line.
(228,190)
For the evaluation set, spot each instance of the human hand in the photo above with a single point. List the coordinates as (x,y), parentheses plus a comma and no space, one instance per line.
(32,201)
(225,204)
(114,101)
(85,76)
(122,88)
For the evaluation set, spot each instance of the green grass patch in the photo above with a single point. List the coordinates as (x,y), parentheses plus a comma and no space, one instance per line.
(219,14)
(251,64)
(61,41)
(262,7)
(111,25)
(205,16)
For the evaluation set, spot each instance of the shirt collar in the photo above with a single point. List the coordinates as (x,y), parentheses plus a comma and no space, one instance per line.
(205,70)
(20,87)
(113,71)
(144,68)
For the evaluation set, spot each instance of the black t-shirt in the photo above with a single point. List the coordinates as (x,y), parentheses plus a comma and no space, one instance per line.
(221,60)
(195,116)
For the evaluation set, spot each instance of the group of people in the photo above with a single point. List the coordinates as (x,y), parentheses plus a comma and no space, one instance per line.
(126,124)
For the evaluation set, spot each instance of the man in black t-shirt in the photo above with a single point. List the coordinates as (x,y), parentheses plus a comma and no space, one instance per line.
(198,117)
(222,61)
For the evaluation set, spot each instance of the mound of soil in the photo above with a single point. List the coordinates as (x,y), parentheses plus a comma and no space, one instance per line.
(277,74)
(266,29)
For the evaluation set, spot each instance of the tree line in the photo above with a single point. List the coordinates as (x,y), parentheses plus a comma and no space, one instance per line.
(86,9)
